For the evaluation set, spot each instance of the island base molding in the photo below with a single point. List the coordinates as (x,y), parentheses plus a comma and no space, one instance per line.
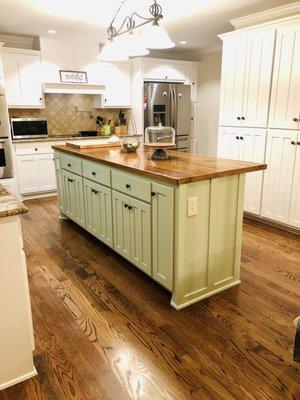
(207,249)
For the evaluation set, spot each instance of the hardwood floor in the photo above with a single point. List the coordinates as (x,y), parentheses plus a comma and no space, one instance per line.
(104,330)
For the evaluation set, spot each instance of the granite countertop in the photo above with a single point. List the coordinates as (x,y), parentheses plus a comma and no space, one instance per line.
(181,168)
(9,205)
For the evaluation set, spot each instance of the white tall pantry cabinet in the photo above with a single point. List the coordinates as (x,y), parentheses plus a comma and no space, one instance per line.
(260,114)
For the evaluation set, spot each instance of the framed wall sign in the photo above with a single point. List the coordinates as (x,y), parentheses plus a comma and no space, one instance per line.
(73,76)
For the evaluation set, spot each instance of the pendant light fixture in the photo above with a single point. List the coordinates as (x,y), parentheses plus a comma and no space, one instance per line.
(124,43)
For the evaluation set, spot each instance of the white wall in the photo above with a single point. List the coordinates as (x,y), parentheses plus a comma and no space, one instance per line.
(208,103)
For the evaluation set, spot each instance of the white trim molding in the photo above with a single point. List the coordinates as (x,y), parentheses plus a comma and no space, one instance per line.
(265,16)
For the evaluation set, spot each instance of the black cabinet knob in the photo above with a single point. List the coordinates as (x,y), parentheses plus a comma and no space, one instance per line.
(238,118)
(295,119)
(243,118)
(241,137)
(166,77)
(127,186)
(153,194)
(70,180)
(129,207)
(94,173)
(293,142)
(298,143)
(125,205)
(35,149)
(69,165)
(237,137)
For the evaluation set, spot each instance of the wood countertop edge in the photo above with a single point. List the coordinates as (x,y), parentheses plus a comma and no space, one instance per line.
(163,178)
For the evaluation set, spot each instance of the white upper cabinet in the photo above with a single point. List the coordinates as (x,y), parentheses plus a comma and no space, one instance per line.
(22,79)
(280,158)
(294,217)
(192,79)
(233,77)
(161,70)
(257,87)
(246,78)
(60,54)
(285,99)
(117,85)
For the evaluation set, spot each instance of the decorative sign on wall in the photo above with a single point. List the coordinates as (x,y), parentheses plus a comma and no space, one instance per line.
(73,76)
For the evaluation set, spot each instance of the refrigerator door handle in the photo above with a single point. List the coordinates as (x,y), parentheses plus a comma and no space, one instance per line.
(175,110)
(170,108)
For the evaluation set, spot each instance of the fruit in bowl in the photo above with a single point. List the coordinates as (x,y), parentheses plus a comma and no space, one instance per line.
(130,145)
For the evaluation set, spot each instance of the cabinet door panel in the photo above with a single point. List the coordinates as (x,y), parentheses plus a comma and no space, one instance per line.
(285,98)
(117,85)
(46,169)
(260,51)
(98,211)
(121,223)
(280,157)
(74,198)
(233,73)
(28,174)
(12,79)
(140,235)
(192,79)
(31,80)
(253,148)
(163,231)
(229,143)
(294,217)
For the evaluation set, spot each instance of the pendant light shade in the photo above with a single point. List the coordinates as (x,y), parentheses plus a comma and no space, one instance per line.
(113,51)
(156,37)
(132,44)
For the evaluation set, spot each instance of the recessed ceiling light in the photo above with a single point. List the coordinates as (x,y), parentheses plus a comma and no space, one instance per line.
(52,31)
(183,42)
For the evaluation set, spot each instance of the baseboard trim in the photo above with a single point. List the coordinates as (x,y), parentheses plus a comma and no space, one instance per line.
(204,296)
(21,378)
(270,222)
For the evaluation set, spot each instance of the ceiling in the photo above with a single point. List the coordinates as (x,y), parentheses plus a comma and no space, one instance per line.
(196,21)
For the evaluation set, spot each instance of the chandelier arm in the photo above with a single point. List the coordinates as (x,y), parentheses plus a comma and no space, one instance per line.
(130,22)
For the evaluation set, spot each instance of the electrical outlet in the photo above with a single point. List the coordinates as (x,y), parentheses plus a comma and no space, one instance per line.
(192,206)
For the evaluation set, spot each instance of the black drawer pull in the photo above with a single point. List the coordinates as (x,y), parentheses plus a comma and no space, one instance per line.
(129,207)
(125,205)
(127,186)
(153,194)
(69,165)
(94,173)
(70,180)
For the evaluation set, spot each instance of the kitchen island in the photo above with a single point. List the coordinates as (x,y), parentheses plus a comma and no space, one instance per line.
(178,220)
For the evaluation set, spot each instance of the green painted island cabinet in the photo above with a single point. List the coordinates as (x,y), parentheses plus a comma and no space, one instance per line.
(187,237)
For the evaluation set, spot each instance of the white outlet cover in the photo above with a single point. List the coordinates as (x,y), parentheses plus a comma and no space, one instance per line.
(192,206)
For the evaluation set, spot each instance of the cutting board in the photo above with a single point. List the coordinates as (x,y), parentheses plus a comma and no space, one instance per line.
(92,143)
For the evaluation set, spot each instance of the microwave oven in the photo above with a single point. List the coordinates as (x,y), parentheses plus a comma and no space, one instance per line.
(28,128)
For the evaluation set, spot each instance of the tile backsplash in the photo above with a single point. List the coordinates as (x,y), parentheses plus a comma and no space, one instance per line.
(62,117)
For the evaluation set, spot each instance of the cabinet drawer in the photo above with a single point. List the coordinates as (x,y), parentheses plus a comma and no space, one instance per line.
(96,173)
(71,164)
(135,187)
(33,148)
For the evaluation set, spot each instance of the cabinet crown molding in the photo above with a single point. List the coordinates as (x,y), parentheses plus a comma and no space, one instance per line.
(286,10)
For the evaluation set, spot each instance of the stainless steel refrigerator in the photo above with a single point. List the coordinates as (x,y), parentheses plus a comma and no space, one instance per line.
(169,104)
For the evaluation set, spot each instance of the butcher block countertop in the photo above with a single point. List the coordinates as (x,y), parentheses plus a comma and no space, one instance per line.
(182,168)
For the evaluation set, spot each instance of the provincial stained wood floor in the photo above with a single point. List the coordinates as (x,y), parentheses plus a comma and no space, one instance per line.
(104,330)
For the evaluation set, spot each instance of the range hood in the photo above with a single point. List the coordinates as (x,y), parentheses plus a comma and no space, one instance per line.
(74,88)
